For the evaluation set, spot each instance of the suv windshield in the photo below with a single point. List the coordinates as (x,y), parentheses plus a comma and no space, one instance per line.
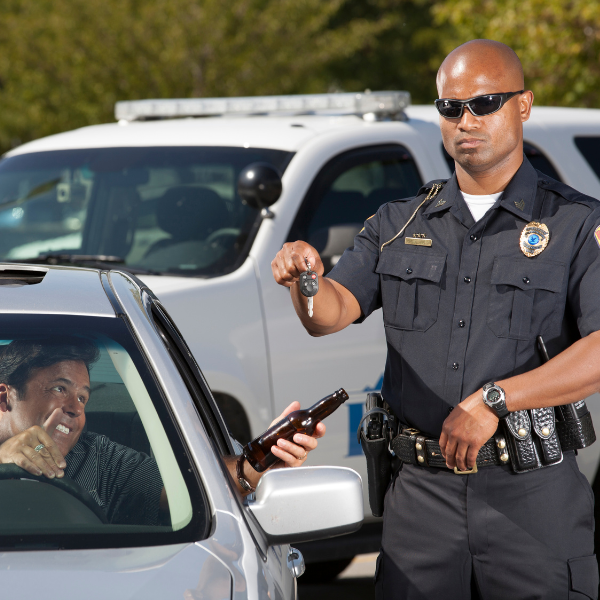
(164,210)
(79,386)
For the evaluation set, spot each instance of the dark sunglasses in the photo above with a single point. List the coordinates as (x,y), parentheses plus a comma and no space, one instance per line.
(480,106)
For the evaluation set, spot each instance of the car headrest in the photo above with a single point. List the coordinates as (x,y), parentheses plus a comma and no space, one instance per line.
(191,213)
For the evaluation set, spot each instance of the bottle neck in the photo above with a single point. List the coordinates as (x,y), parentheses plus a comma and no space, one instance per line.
(323,408)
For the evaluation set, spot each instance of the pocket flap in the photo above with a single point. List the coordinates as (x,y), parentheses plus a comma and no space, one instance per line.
(408,264)
(528,274)
(584,575)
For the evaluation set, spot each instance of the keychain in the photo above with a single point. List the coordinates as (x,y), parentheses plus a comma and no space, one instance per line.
(309,285)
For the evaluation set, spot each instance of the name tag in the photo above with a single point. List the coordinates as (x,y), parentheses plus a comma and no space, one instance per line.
(415,241)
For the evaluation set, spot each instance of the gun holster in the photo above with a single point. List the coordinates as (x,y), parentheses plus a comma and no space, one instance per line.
(377,453)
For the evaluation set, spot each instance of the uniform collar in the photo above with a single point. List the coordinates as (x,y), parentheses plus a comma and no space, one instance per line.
(518,197)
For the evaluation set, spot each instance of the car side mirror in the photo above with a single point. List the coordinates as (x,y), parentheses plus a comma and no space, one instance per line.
(308,503)
(259,186)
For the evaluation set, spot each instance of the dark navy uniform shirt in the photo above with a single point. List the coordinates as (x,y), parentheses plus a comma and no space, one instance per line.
(467,310)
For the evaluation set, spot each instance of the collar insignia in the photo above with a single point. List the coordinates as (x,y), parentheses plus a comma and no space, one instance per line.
(440,203)
(534,239)
(520,205)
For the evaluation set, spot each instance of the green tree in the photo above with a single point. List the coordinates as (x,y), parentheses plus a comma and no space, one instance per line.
(64,64)
(558,42)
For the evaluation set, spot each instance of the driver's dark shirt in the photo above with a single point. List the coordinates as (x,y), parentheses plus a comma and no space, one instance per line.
(125,483)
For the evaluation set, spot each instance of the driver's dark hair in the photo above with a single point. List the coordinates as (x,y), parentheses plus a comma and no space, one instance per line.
(21,358)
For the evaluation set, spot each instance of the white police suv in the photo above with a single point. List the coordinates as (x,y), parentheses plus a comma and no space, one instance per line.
(156,193)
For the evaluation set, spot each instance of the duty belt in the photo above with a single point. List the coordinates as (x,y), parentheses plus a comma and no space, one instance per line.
(411,447)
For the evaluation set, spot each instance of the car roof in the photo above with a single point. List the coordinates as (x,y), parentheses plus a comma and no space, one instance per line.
(280,133)
(60,290)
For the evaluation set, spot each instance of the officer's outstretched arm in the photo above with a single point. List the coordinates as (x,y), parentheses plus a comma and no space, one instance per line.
(334,306)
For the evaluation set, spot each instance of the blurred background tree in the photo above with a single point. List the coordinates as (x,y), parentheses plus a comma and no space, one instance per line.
(64,64)
(557,41)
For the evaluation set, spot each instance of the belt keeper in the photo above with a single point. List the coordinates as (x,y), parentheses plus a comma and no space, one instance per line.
(421,450)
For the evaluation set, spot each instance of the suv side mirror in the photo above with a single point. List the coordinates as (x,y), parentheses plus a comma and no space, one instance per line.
(308,503)
(259,185)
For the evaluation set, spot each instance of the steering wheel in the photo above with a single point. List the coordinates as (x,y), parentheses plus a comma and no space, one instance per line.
(225,232)
(65,484)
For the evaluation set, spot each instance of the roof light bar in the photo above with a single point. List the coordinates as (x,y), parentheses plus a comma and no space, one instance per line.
(388,104)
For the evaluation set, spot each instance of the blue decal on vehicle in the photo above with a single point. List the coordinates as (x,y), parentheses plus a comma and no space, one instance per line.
(355,413)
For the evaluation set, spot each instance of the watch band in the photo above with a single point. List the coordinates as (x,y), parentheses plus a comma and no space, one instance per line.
(499,406)
(239,469)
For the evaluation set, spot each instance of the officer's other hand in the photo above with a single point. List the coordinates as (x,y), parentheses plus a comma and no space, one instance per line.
(290,262)
(468,427)
(294,453)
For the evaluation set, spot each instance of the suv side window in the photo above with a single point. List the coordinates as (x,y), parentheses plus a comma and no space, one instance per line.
(348,190)
(535,156)
(589,146)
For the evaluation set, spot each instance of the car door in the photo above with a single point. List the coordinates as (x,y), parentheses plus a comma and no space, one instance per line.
(265,567)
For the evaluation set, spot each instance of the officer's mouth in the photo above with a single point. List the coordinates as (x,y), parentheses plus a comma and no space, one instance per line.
(468,143)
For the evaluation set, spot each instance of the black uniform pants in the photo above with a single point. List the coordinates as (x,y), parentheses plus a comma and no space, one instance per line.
(491,535)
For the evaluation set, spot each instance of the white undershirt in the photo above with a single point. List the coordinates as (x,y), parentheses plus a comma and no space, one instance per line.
(479,205)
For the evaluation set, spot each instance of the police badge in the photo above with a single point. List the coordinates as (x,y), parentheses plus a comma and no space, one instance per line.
(534,239)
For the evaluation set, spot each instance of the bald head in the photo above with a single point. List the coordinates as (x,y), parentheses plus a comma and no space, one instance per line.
(490,63)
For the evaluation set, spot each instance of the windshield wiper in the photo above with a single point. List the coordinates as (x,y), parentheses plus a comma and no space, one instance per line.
(99,261)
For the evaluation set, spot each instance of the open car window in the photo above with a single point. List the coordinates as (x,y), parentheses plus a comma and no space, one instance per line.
(128,479)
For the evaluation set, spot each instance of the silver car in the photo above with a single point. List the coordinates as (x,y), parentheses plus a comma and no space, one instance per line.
(158,516)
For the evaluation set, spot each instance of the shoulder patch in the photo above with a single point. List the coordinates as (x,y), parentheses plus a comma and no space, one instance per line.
(597,235)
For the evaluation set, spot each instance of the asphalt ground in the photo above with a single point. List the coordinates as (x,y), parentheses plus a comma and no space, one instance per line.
(355,583)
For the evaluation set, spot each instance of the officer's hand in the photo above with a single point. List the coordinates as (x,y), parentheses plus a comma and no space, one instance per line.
(290,262)
(468,427)
(294,453)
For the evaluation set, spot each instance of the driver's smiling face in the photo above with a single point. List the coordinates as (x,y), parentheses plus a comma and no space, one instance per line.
(64,385)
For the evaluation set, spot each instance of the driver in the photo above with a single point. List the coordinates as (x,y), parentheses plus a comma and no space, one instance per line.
(44,390)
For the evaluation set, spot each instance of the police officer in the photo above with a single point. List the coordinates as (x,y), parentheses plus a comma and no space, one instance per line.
(468,273)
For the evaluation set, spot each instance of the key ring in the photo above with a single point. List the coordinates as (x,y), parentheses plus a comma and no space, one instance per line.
(307,264)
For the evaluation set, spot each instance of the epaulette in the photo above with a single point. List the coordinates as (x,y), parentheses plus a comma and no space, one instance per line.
(566,191)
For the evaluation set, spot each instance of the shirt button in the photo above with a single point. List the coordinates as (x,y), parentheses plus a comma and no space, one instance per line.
(474,238)
(455,366)
(461,323)
(450,409)
(467,280)
(408,271)
(525,279)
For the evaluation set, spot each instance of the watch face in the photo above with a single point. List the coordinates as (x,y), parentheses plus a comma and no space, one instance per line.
(493,396)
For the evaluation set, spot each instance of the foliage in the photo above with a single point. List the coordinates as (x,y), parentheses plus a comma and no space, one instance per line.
(64,64)
(557,41)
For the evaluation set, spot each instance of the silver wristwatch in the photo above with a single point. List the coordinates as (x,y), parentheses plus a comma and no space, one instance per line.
(495,398)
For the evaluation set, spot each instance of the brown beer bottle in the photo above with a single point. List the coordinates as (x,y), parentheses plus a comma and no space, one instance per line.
(258,452)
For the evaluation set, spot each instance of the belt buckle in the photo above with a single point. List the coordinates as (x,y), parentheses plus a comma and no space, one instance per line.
(410,431)
(469,472)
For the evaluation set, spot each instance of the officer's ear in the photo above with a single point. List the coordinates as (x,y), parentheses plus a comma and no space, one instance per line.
(525,103)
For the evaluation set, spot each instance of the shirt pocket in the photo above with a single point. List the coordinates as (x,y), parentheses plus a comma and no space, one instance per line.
(410,288)
(524,296)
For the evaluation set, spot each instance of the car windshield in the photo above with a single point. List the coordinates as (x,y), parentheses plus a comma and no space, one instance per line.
(155,210)
(82,382)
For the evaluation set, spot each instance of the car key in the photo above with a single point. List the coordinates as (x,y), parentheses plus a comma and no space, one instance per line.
(309,285)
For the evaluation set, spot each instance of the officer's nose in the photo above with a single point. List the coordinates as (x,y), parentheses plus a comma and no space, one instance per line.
(468,121)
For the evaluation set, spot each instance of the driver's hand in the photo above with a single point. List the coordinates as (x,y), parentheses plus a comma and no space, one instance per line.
(294,453)
(20,449)
(290,262)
